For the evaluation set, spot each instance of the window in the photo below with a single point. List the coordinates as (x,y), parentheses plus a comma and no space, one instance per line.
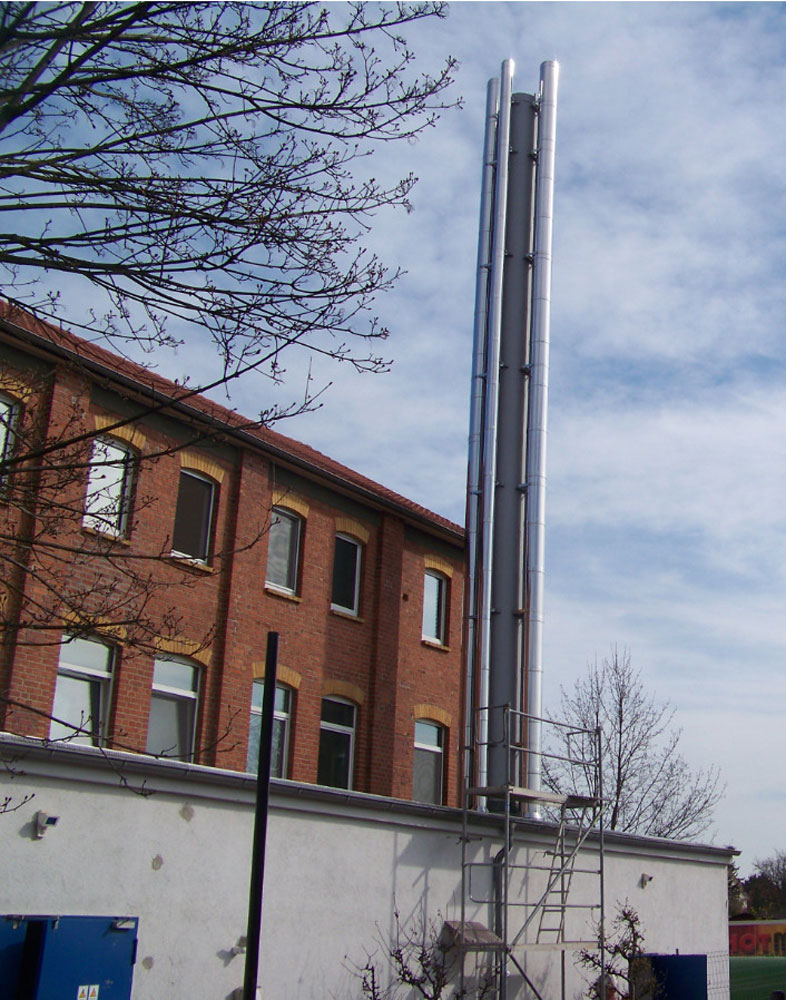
(282,714)
(173,705)
(81,705)
(9,413)
(336,743)
(283,549)
(427,781)
(108,487)
(193,517)
(346,575)
(435,588)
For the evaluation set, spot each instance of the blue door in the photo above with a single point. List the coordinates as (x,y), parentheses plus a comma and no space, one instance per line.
(67,958)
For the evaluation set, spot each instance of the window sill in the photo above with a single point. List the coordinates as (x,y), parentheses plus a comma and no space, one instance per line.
(188,562)
(433,644)
(285,595)
(108,536)
(349,615)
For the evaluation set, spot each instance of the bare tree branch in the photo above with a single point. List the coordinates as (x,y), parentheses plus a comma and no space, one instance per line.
(195,169)
(194,164)
(648,786)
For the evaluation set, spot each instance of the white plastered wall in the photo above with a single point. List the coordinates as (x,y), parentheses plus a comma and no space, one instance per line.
(338,866)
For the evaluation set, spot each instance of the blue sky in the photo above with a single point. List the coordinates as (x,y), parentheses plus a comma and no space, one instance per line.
(666,506)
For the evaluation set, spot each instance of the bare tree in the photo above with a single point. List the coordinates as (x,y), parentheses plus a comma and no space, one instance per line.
(422,961)
(191,165)
(176,173)
(648,787)
(621,965)
(186,169)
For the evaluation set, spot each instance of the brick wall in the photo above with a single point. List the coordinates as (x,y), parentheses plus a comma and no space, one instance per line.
(218,615)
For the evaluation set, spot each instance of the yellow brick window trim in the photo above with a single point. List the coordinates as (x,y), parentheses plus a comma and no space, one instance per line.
(441,565)
(132,435)
(98,625)
(15,387)
(183,646)
(434,713)
(349,526)
(284,675)
(344,689)
(191,460)
(290,500)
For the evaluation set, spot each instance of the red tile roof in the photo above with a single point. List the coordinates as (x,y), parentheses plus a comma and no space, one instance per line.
(57,340)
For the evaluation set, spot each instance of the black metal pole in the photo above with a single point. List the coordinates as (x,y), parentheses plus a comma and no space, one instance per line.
(260,821)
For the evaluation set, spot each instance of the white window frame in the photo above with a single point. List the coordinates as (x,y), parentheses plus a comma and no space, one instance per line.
(350,731)
(85,734)
(355,609)
(180,694)
(8,420)
(438,750)
(283,716)
(279,515)
(208,533)
(107,508)
(442,607)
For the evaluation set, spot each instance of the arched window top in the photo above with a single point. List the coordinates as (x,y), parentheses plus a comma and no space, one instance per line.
(343,689)
(433,713)
(196,462)
(439,565)
(180,647)
(284,675)
(289,501)
(11,386)
(131,435)
(353,529)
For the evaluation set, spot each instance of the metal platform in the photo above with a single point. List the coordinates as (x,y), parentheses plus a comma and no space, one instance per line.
(518,927)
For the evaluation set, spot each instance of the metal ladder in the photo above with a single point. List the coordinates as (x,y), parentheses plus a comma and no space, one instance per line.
(545,919)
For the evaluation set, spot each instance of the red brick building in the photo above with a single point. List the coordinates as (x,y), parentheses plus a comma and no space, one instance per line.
(150,539)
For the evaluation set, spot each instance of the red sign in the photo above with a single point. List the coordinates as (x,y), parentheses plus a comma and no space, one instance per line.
(765,937)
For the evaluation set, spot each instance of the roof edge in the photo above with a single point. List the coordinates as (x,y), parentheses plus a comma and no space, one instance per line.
(50,340)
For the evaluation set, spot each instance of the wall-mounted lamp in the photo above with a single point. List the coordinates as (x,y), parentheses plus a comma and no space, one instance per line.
(41,823)
(645,880)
